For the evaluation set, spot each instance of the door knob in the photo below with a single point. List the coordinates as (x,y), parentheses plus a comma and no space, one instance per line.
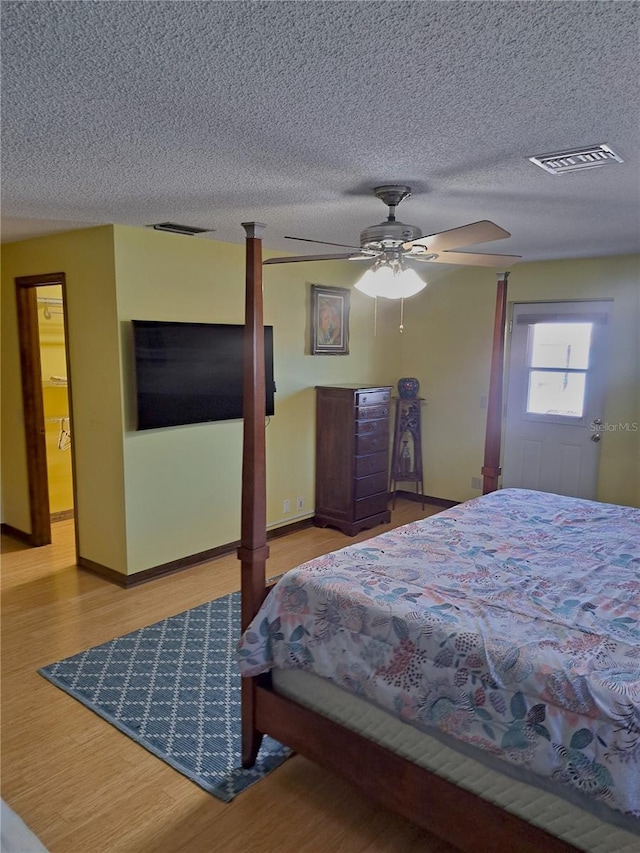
(596,423)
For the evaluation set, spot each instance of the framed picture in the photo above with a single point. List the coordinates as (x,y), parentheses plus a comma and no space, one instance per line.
(329,320)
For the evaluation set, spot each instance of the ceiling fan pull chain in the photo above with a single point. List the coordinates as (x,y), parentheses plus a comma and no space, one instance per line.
(401,314)
(375,317)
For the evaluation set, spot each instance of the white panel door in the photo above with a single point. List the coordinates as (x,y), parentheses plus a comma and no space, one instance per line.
(555,397)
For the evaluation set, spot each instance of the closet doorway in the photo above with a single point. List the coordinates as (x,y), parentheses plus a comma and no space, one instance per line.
(46,393)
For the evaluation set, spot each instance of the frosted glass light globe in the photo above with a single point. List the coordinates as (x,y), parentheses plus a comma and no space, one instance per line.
(388,284)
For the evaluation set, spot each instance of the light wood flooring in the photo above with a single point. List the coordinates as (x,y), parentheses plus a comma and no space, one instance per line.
(84,787)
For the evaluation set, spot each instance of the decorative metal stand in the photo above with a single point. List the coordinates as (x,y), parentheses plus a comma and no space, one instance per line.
(406,454)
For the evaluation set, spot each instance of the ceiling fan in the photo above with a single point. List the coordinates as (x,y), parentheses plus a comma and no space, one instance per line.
(391,243)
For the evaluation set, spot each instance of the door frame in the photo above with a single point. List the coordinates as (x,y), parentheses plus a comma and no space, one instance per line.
(33,403)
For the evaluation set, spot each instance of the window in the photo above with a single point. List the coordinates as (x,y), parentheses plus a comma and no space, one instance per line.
(558,362)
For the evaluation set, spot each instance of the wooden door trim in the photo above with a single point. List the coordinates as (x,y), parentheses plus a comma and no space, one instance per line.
(33,403)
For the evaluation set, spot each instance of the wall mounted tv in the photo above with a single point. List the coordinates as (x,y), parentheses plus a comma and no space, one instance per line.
(188,373)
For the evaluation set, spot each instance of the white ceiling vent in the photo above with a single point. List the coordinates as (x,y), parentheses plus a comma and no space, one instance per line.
(174,228)
(590,157)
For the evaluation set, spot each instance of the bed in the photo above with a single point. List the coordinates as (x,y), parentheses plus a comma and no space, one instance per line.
(478,671)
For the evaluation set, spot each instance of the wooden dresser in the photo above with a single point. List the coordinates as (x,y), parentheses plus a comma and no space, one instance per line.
(352,457)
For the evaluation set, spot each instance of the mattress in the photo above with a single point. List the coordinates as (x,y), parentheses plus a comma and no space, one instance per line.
(556,815)
(510,623)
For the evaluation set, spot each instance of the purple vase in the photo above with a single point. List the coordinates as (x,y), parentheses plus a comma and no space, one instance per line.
(408,387)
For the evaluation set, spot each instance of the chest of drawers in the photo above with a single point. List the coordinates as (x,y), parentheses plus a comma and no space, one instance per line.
(352,457)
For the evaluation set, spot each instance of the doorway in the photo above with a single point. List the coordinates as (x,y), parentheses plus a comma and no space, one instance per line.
(555,397)
(57,422)
(46,393)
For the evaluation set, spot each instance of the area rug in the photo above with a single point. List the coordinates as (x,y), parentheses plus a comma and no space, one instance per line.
(175,689)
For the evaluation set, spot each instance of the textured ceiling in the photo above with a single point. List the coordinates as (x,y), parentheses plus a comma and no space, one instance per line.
(289,113)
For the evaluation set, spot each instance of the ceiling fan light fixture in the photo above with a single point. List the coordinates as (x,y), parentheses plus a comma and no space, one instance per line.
(390,283)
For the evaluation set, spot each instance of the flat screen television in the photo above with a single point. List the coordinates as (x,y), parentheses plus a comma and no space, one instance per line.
(188,373)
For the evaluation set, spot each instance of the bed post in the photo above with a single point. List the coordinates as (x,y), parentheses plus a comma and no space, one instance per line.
(253,550)
(491,469)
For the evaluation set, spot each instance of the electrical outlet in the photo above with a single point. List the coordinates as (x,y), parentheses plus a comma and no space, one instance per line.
(286,506)
(476,483)
(299,503)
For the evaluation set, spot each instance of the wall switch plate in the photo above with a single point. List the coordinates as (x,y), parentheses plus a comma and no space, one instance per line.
(476,483)
(286,506)
(299,503)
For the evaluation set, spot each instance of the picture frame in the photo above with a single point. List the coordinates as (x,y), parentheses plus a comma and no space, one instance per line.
(329,320)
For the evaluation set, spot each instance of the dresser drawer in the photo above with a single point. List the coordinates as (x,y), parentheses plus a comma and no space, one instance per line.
(371,485)
(369,413)
(372,398)
(372,464)
(370,506)
(372,442)
(367,427)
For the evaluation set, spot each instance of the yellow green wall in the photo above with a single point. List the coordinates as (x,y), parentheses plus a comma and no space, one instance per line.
(182,485)
(147,498)
(86,257)
(447,345)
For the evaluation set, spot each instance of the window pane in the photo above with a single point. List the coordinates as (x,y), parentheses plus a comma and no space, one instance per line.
(561,345)
(556,393)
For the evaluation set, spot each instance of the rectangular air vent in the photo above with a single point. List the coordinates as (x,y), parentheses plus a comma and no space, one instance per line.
(589,157)
(191,230)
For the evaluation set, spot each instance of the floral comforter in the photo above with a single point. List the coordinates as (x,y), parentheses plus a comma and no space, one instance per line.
(511,622)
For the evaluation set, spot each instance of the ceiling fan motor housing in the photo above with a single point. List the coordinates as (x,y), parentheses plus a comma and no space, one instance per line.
(391,234)
(388,235)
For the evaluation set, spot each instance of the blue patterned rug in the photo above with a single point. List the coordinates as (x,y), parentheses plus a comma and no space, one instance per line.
(175,689)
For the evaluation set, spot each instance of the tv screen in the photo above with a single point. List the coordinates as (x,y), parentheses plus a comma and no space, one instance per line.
(188,373)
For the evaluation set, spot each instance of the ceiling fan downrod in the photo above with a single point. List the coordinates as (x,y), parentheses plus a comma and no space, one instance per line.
(392,195)
(390,234)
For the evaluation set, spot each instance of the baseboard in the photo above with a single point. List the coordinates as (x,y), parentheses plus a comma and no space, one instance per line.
(127,581)
(102,571)
(155,572)
(428,499)
(292,527)
(20,535)
(63,515)
(183,563)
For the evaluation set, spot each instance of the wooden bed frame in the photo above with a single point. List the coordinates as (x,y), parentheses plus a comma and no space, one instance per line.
(456,815)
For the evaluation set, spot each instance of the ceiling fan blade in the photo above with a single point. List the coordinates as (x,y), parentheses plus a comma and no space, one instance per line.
(323,242)
(475,260)
(483,231)
(297,259)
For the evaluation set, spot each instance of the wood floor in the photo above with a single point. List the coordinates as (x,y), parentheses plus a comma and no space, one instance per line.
(83,787)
